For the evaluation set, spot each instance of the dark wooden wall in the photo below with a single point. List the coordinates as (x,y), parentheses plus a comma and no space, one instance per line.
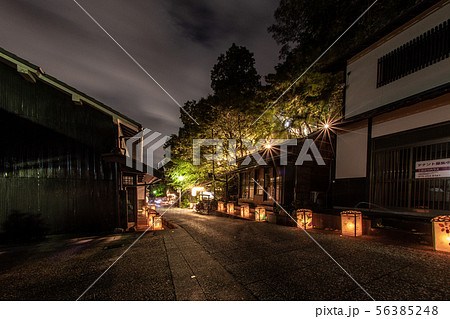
(298,181)
(50,157)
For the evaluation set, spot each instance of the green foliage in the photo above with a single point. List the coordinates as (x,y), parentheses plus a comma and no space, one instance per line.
(304,35)
(298,109)
(234,77)
(183,175)
(315,99)
(185,202)
(158,190)
(227,114)
(306,28)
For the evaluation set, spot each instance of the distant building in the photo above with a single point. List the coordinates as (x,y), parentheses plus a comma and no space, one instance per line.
(62,154)
(290,184)
(393,147)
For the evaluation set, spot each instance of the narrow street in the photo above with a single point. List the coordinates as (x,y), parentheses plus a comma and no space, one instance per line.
(217,258)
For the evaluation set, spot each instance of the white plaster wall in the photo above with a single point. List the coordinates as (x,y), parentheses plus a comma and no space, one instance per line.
(433,116)
(362,93)
(351,154)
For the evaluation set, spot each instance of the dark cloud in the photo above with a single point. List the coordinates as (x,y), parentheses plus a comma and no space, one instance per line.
(194,19)
(176,41)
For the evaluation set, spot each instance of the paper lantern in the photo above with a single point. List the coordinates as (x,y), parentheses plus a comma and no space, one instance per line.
(351,223)
(152,206)
(155,222)
(441,233)
(245,211)
(304,218)
(260,214)
(230,208)
(150,214)
(221,206)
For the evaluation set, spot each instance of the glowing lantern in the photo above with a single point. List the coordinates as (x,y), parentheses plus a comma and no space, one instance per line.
(221,207)
(150,214)
(304,218)
(351,223)
(230,208)
(157,223)
(245,211)
(260,214)
(152,206)
(441,233)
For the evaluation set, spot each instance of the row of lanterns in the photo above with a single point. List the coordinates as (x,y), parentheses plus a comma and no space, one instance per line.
(260,212)
(154,219)
(351,222)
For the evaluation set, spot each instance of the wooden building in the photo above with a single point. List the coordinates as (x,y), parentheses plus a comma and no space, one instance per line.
(290,184)
(62,156)
(393,147)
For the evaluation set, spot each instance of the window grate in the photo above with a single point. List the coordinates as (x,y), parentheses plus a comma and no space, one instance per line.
(421,52)
(128,180)
(393,181)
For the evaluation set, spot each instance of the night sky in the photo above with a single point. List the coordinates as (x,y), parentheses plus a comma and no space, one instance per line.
(176,41)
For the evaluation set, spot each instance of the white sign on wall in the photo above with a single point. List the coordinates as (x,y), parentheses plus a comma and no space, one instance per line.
(433,169)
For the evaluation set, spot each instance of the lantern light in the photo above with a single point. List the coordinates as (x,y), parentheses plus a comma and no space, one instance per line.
(351,223)
(157,223)
(221,206)
(304,218)
(260,214)
(245,211)
(230,208)
(441,233)
(154,220)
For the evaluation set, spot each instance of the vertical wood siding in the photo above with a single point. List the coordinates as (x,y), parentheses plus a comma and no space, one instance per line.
(50,157)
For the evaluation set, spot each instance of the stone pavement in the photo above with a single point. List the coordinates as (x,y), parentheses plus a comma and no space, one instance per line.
(217,258)
(276,262)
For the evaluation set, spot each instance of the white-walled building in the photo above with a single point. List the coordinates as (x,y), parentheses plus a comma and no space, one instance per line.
(393,147)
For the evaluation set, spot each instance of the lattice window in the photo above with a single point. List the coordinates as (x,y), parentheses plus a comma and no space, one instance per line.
(419,53)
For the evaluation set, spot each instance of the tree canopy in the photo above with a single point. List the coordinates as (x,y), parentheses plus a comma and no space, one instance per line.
(308,27)
(234,76)
(226,114)
(304,29)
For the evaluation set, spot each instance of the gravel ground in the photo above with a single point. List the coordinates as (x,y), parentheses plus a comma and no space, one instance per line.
(282,263)
(216,258)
